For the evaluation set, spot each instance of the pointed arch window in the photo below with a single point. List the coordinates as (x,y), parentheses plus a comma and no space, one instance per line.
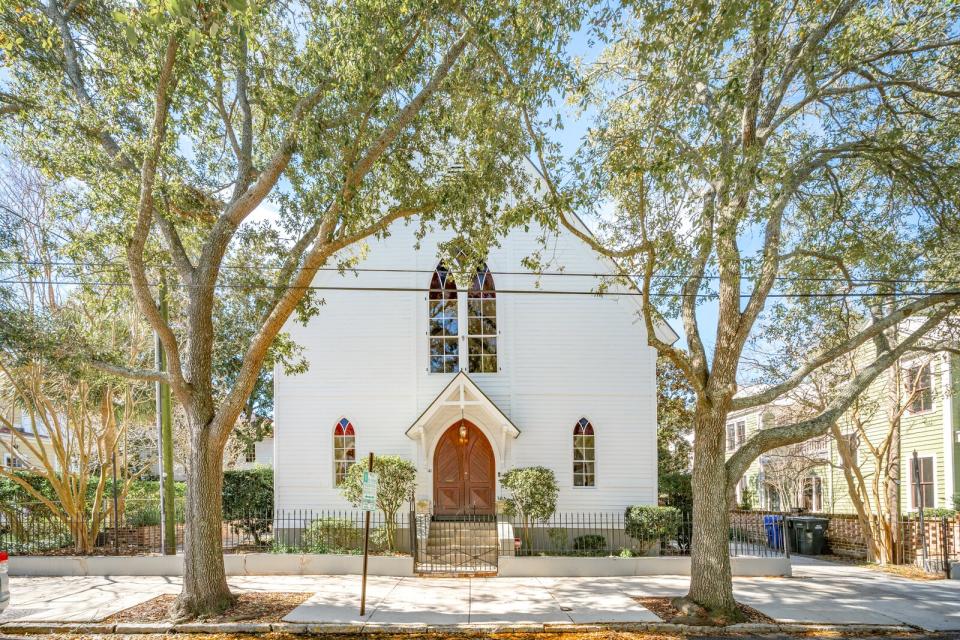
(482,323)
(444,330)
(584,455)
(344,450)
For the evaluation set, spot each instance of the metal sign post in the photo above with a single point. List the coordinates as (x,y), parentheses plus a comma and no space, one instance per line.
(368,502)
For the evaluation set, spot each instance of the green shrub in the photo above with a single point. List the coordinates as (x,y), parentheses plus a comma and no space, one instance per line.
(626,553)
(746,499)
(248,500)
(533,497)
(379,540)
(590,542)
(396,478)
(644,522)
(939,513)
(533,493)
(558,538)
(332,535)
(676,490)
(138,514)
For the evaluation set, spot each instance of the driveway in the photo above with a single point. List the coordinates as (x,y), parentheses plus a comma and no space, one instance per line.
(819,592)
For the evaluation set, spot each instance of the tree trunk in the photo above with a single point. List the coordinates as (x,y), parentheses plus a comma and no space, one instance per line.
(711,583)
(205,589)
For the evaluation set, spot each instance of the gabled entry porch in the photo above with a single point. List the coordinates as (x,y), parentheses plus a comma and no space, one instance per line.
(463,443)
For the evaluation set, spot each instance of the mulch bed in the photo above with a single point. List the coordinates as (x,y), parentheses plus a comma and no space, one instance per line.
(256,606)
(664,609)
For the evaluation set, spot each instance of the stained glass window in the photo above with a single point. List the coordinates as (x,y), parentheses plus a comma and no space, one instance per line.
(482,323)
(344,449)
(584,455)
(444,347)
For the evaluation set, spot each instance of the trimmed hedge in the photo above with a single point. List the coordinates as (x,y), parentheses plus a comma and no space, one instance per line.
(645,522)
(248,500)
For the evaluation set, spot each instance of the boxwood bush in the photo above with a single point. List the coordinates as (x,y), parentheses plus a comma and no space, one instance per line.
(248,501)
(644,522)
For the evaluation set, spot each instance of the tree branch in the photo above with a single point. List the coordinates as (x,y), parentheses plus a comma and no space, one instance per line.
(832,353)
(147,375)
(137,242)
(327,245)
(175,246)
(767,439)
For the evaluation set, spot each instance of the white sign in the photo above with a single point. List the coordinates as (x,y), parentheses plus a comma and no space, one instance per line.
(368,501)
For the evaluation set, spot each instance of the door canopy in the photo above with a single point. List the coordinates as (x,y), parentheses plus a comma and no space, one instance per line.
(462,397)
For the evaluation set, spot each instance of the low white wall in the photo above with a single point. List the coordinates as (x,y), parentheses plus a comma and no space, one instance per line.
(250,564)
(557,566)
(278,564)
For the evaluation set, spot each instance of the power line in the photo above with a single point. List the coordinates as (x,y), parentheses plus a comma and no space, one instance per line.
(261,268)
(267,287)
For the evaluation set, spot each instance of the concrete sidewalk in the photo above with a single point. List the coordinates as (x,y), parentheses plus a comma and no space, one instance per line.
(819,592)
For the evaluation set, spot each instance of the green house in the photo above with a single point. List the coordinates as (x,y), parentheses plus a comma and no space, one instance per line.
(913,407)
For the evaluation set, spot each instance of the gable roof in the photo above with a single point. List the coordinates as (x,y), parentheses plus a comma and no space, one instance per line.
(663,330)
(462,385)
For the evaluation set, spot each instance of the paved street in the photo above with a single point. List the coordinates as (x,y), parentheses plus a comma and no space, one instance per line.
(819,592)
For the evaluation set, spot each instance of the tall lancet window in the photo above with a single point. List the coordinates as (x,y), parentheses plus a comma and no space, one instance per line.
(584,455)
(482,323)
(344,450)
(444,347)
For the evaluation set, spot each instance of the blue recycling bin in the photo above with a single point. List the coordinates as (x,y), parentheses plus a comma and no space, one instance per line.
(774,527)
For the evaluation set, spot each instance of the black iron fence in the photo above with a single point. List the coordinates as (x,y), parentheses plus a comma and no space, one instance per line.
(614,534)
(933,544)
(473,543)
(37,529)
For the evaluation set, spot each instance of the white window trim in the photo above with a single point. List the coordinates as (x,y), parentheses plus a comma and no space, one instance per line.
(935,484)
(333,448)
(813,478)
(596,456)
(918,362)
(463,331)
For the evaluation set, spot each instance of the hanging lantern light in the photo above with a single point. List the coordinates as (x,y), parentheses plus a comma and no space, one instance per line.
(463,428)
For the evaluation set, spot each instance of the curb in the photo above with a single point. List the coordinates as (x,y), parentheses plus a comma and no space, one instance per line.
(332,628)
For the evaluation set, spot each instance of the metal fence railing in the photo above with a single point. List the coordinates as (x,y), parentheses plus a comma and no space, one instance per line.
(35,529)
(933,544)
(613,534)
(437,544)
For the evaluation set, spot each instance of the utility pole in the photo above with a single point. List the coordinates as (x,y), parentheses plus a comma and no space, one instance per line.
(165,439)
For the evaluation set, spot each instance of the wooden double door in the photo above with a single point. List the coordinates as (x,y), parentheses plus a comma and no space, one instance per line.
(464,473)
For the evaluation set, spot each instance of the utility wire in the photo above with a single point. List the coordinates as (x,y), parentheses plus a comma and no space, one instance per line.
(267,287)
(259,268)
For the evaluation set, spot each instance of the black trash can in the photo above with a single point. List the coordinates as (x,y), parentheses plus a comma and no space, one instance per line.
(792,532)
(808,534)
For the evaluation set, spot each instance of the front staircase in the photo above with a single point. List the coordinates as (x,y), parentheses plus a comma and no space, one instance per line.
(457,547)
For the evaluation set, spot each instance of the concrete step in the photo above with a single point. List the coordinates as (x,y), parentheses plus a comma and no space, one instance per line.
(458,559)
(460,548)
(463,535)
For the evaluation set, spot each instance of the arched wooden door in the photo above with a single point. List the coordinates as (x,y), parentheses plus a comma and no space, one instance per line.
(464,474)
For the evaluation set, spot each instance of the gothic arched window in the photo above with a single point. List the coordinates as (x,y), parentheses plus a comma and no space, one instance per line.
(344,450)
(584,455)
(444,346)
(482,323)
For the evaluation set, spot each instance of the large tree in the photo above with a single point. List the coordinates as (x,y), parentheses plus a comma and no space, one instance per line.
(754,149)
(176,119)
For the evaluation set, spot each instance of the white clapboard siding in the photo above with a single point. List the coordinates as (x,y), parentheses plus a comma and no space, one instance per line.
(561,357)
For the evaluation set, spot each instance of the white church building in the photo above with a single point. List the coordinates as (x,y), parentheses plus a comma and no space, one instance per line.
(471,379)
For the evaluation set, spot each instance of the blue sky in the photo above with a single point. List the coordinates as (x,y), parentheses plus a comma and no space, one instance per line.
(576,126)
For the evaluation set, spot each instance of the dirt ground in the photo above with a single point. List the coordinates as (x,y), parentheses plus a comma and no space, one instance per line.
(266,606)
